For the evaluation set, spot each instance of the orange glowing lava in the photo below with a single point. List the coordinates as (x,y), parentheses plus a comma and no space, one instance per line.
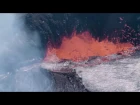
(82,46)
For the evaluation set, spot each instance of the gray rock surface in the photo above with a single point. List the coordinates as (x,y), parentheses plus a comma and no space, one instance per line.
(66,82)
(116,76)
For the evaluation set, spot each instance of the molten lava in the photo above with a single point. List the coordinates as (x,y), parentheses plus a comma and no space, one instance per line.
(82,46)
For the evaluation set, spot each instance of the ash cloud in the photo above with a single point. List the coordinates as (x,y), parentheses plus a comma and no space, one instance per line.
(18,50)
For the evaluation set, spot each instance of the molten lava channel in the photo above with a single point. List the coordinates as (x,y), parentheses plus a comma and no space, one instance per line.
(82,46)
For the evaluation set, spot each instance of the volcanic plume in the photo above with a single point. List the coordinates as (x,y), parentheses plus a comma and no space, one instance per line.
(82,46)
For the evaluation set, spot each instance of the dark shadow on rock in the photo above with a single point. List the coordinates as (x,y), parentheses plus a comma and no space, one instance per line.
(69,82)
(66,82)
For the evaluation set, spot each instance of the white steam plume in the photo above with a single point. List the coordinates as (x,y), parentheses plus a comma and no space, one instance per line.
(19,48)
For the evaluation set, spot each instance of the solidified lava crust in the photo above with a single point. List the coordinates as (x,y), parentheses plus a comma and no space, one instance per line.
(69,82)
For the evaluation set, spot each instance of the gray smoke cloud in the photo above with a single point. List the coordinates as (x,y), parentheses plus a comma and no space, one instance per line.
(20,56)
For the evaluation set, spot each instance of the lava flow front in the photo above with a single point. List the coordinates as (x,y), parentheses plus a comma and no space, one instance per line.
(82,46)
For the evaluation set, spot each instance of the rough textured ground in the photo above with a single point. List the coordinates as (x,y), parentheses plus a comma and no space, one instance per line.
(115,76)
(66,82)
(118,76)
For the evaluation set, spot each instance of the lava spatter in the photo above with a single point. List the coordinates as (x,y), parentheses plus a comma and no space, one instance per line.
(82,46)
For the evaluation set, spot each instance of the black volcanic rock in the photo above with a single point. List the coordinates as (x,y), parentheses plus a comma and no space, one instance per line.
(53,26)
(68,82)
(65,82)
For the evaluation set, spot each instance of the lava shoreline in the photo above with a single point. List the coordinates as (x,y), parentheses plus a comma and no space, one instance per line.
(66,66)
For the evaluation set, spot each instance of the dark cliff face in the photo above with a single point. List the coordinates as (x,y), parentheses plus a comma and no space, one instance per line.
(53,26)
(65,82)
(68,83)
